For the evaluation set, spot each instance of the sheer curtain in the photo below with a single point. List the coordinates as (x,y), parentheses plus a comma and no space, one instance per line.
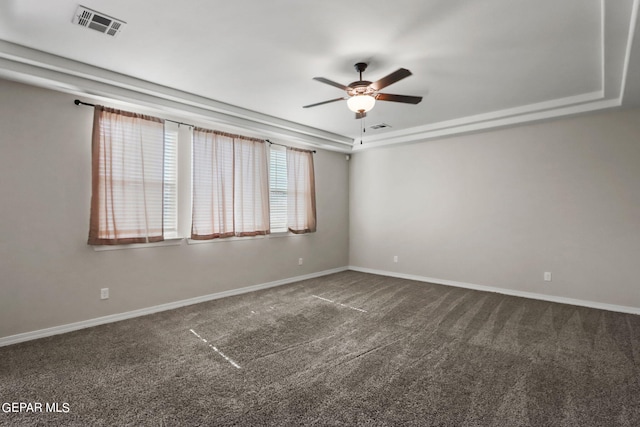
(301,191)
(230,186)
(127,178)
(251,187)
(212,214)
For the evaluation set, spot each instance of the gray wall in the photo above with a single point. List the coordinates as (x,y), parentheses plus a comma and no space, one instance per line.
(50,276)
(496,208)
(499,208)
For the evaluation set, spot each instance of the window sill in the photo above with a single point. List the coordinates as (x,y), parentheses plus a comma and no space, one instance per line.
(244,239)
(178,241)
(285,234)
(224,239)
(167,242)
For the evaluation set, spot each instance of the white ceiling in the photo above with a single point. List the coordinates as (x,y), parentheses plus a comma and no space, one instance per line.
(478,64)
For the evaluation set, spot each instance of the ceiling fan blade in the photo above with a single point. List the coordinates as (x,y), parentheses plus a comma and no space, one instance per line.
(361,115)
(323,102)
(397,75)
(399,98)
(330,82)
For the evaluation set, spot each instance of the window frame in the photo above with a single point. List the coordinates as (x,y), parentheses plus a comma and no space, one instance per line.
(178,197)
(172,236)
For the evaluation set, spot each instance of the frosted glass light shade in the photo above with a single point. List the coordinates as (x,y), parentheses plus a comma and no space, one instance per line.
(358,103)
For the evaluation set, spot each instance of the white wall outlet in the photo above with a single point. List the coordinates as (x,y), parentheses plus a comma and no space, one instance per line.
(395,258)
(104,293)
(547,276)
(299,261)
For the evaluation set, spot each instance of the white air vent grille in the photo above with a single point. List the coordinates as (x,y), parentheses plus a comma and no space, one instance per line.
(97,21)
(380,126)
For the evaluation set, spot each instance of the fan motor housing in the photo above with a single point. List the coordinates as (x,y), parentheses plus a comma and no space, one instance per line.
(359,83)
(360,87)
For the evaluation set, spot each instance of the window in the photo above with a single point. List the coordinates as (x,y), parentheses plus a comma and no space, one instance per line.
(238,187)
(292,199)
(134,179)
(278,189)
(170,199)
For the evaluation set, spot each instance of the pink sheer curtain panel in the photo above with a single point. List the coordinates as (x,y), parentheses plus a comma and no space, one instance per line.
(230,186)
(301,191)
(127,178)
(251,172)
(212,213)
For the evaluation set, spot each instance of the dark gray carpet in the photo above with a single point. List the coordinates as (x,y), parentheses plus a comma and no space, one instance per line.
(419,354)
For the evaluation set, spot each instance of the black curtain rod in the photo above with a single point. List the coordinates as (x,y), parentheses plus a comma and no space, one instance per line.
(78,102)
(282,145)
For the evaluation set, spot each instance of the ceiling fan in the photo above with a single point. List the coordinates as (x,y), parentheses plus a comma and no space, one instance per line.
(362,95)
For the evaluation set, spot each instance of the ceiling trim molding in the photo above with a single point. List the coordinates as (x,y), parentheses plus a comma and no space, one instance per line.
(556,108)
(491,117)
(39,68)
(627,56)
(491,124)
(603,43)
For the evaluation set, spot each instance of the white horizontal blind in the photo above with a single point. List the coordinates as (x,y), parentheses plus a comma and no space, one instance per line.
(278,188)
(170,207)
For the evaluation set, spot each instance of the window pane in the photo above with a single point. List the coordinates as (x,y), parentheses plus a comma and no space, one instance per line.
(170,205)
(278,189)
(127,178)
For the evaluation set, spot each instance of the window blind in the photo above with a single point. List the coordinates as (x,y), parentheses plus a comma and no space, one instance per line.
(278,188)
(170,203)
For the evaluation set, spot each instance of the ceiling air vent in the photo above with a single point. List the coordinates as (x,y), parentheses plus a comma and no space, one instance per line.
(380,126)
(97,21)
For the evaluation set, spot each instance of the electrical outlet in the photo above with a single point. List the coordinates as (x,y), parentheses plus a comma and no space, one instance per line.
(104,293)
(547,276)
(395,258)
(299,261)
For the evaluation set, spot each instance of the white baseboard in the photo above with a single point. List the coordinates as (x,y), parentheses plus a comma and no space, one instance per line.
(543,297)
(41,333)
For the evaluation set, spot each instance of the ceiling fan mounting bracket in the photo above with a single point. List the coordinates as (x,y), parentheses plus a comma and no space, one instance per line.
(361,66)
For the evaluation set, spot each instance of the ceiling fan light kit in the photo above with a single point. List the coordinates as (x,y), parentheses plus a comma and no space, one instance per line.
(362,94)
(361,103)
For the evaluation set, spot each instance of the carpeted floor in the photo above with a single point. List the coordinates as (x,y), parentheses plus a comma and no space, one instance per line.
(346,349)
